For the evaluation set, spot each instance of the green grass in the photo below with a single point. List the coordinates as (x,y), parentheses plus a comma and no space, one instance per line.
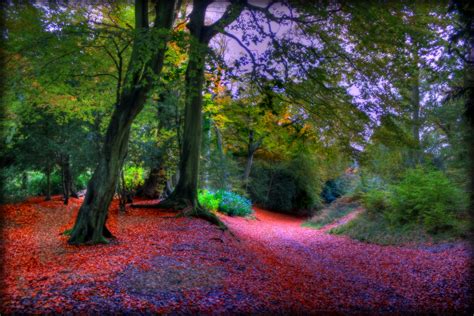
(336,210)
(375,229)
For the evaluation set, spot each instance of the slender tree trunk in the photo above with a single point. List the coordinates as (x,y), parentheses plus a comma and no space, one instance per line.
(66,178)
(248,167)
(222,158)
(90,223)
(269,188)
(416,108)
(48,184)
(251,148)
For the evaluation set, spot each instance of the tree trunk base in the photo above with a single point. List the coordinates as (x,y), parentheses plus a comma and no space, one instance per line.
(186,209)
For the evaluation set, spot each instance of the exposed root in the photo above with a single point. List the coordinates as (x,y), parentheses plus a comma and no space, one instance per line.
(187,209)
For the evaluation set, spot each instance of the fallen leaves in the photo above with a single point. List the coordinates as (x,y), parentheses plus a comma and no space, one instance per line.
(163,265)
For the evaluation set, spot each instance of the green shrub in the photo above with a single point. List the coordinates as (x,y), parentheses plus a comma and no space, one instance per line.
(133,177)
(427,198)
(233,204)
(226,202)
(375,201)
(209,200)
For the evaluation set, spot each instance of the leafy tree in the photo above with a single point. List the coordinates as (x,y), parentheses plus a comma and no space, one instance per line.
(146,62)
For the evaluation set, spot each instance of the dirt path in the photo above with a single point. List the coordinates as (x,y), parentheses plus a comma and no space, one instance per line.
(179,265)
(335,271)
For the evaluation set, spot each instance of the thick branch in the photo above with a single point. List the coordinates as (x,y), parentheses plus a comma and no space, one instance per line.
(230,15)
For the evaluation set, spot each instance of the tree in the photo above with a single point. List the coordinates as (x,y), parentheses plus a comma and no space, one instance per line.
(184,195)
(466,32)
(146,62)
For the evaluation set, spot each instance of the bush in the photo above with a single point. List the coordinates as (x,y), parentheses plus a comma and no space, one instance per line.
(209,200)
(226,202)
(427,198)
(375,201)
(133,177)
(233,204)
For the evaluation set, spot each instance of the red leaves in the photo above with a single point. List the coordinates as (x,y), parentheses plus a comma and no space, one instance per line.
(180,264)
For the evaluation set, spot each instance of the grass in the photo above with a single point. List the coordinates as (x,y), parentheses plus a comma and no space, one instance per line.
(375,229)
(333,212)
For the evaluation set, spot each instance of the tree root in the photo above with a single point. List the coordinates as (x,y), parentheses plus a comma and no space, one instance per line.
(206,215)
(187,210)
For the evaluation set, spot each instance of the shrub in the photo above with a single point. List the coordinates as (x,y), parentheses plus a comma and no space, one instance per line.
(226,202)
(209,200)
(427,198)
(133,177)
(233,204)
(375,201)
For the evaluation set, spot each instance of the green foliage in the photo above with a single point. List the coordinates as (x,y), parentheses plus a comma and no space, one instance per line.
(226,202)
(19,185)
(233,204)
(428,198)
(133,177)
(209,200)
(292,186)
(375,229)
(375,201)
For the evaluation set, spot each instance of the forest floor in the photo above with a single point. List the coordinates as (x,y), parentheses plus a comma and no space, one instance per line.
(159,264)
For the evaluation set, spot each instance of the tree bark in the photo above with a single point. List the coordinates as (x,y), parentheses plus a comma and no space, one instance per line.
(90,223)
(222,159)
(66,178)
(48,184)
(466,10)
(150,188)
(185,193)
(416,108)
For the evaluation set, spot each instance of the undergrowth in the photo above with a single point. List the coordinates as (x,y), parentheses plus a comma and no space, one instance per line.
(226,202)
(376,229)
(330,214)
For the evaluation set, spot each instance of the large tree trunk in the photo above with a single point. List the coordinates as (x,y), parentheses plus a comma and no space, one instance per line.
(466,10)
(90,222)
(185,192)
(154,183)
(184,195)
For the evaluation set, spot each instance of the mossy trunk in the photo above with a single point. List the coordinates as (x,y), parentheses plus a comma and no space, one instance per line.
(151,188)
(90,223)
(185,192)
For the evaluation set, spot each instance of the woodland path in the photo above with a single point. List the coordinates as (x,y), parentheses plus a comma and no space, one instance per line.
(187,266)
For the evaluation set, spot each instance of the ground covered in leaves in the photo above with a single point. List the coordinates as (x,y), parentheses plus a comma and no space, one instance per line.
(161,264)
